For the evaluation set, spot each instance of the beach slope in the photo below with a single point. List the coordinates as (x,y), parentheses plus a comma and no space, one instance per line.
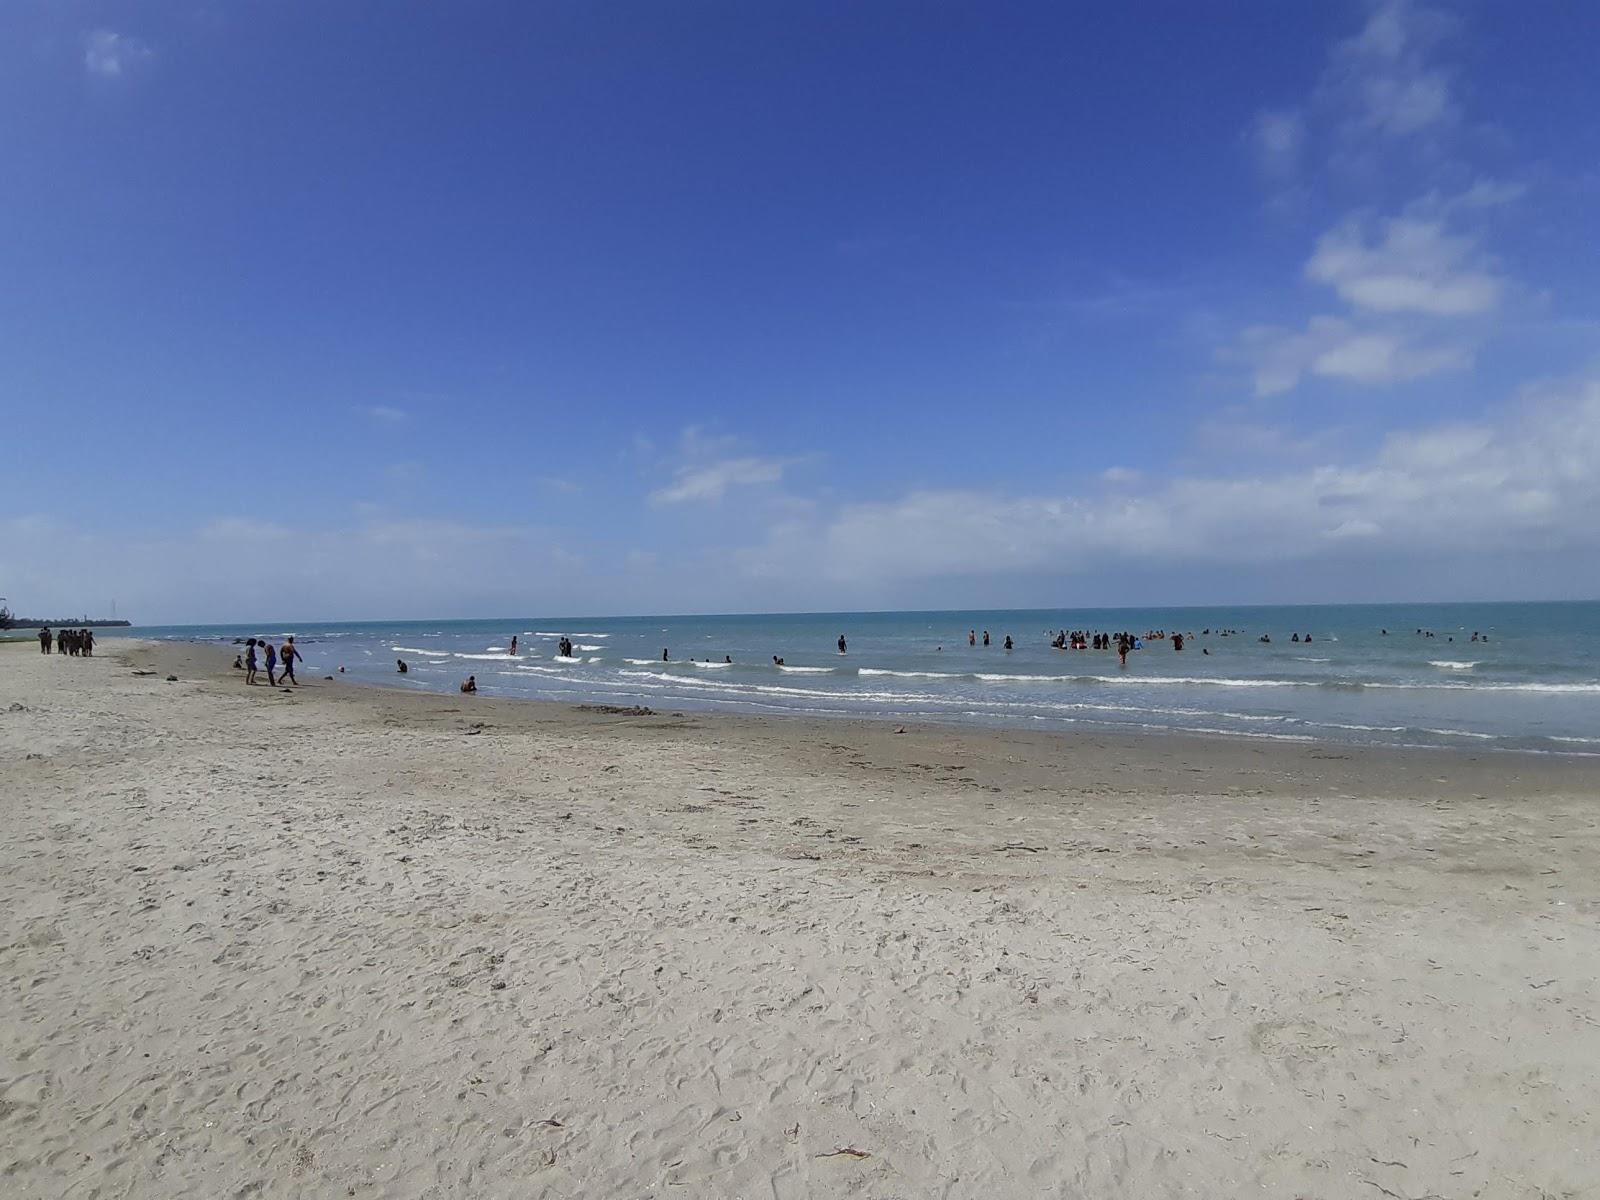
(351,942)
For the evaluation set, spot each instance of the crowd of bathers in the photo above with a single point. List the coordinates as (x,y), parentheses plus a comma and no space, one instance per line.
(76,643)
(278,660)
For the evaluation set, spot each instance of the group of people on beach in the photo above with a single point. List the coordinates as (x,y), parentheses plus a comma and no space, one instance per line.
(75,643)
(278,660)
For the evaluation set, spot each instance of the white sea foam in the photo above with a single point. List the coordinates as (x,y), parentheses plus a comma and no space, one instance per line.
(541,633)
(1446,664)
(411,650)
(706,666)
(591,647)
(562,658)
(805,670)
(908,674)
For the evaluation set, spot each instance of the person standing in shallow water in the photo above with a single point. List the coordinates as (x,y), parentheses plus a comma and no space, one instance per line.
(842,647)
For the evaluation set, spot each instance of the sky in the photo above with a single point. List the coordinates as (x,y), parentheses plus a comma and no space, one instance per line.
(356,311)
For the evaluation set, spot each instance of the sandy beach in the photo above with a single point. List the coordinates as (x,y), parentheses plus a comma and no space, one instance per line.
(352,942)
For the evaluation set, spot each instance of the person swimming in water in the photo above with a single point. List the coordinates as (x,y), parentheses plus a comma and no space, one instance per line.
(471,685)
(776,661)
(1008,641)
(399,666)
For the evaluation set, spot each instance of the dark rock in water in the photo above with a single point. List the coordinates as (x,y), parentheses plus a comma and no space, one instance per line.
(172,679)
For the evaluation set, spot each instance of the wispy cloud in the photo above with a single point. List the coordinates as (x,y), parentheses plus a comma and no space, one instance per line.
(386,414)
(1278,136)
(1384,78)
(710,481)
(1335,348)
(111,55)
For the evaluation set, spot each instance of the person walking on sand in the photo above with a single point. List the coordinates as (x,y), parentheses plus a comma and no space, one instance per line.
(272,662)
(250,661)
(44,640)
(286,657)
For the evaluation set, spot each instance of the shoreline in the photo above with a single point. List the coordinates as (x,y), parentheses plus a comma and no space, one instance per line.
(220,671)
(373,943)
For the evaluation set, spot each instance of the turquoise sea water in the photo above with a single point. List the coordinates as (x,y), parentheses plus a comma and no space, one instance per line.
(1533,685)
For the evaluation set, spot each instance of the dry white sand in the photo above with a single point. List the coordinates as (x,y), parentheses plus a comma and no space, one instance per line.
(348,942)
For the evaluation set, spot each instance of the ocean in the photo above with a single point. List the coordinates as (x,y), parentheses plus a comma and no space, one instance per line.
(1366,673)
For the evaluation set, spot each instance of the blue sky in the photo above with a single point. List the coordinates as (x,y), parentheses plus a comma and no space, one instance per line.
(338,311)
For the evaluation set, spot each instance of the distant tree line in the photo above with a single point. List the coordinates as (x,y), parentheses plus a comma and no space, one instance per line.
(9,620)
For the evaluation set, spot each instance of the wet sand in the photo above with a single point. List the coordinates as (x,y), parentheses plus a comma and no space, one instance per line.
(351,941)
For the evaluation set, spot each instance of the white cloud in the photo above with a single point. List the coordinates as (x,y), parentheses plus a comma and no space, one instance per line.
(1383,77)
(1334,348)
(1413,265)
(387,414)
(111,55)
(1120,475)
(1471,490)
(708,482)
